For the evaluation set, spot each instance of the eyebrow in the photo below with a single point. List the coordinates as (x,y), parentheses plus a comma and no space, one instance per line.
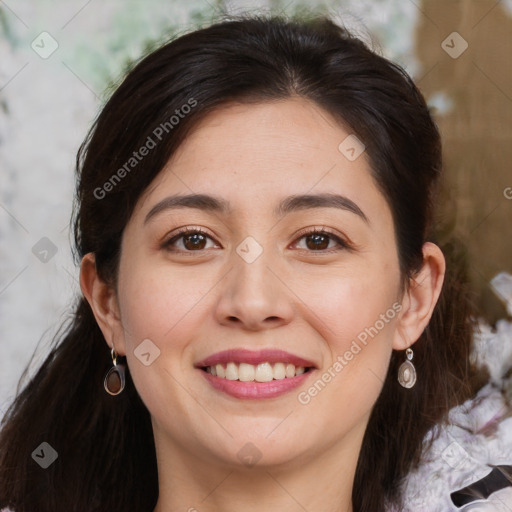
(290,204)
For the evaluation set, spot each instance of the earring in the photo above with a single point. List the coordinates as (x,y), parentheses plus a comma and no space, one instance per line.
(114,378)
(407,371)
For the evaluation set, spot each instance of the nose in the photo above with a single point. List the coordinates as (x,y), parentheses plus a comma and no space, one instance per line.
(255,296)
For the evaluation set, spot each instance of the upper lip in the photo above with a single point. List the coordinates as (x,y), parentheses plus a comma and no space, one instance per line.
(254,357)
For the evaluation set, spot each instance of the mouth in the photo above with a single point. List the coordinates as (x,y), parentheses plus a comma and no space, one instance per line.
(248,374)
(263,372)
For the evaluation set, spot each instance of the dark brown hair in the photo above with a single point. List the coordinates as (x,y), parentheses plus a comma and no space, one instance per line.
(106,454)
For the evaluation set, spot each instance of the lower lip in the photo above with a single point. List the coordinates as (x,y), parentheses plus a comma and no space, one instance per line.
(255,390)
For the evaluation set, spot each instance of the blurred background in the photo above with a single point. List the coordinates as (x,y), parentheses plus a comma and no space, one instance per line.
(59,61)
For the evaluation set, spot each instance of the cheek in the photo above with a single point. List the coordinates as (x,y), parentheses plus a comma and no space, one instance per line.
(159,317)
(355,316)
(158,304)
(350,304)
(359,344)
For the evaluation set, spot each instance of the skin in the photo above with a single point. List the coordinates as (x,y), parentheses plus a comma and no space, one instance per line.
(294,297)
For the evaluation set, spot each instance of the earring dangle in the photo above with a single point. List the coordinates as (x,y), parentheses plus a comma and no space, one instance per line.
(114,379)
(407,371)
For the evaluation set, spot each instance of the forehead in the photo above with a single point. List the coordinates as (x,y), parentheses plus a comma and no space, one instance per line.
(256,154)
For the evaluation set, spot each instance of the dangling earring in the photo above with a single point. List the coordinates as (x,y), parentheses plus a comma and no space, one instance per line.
(114,378)
(407,371)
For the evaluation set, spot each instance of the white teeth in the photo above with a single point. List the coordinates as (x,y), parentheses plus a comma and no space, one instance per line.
(290,370)
(246,372)
(231,371)
(220,371)
(263,372)
(279,371)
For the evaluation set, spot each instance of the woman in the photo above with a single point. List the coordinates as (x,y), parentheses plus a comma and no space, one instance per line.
(267,322)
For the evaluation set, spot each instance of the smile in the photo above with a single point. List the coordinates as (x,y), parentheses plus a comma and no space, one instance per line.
(249,374)
(263,372)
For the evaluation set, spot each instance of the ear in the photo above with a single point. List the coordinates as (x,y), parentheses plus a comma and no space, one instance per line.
(103,301)
(421,297)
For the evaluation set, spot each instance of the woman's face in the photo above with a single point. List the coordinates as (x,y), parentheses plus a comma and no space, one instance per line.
(256,283)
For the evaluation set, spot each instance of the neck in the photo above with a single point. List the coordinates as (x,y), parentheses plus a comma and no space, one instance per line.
(189,483)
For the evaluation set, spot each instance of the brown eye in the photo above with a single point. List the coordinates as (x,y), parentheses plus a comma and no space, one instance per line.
(187,240)
(194,241)
(319,240)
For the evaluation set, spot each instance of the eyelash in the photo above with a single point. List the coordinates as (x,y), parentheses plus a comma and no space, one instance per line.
(343,245)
